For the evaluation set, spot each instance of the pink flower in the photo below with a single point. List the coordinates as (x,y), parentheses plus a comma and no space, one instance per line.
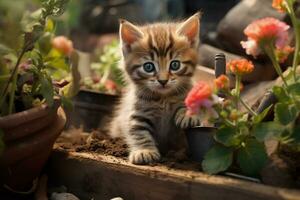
(63,44)
(265,30)
(251,47)
(198,97)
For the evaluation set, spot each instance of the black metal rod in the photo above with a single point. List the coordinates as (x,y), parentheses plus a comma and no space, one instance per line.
(220,64)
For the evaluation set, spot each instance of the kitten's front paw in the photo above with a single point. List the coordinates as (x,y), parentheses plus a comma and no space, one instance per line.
(144,156)
(184,121)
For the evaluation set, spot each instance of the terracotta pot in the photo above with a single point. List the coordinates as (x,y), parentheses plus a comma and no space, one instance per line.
(29,137)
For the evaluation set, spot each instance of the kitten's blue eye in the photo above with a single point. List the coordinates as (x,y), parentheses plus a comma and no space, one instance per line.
(174,65)
(148,67)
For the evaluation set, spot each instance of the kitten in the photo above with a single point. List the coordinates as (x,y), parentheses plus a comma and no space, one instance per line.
(158,63)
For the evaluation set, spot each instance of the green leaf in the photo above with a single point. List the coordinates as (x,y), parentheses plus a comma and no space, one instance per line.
(46,89)
(296,135)
(252,157)
(285,113)
(280,94)
(260,117)
(217,159)
(55,7)
(289,75)
(45,43)
(294,89)
(49,27)
(31,19)
(227,136)
(59,63)
(267,130)
(66,103)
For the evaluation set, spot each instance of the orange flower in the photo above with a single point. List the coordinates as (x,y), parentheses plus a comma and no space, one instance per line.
(240,66)
(265,30)
(63,44)
(222,82)
(278,5)
(282,54)
(199,96)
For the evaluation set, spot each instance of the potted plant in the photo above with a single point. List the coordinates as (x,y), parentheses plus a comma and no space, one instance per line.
(30,97)
(200,138)
(234,144)
(99,92)
(271,38)
(240,140)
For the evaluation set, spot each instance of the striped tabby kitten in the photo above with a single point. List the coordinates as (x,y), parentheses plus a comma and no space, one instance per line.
(158,62)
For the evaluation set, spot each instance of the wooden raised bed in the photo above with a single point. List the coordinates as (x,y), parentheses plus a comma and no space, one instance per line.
(95,176)
(100,177)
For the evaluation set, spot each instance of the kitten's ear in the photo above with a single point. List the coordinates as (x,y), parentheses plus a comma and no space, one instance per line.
(129,33)
(191,28)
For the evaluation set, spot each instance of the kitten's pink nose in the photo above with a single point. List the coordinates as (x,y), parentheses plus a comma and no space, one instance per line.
(163,82)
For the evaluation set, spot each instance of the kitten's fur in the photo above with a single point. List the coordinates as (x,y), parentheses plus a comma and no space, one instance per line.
(145,116)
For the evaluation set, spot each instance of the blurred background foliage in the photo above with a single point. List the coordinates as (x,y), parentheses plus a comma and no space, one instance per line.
(84,17)
(92,25)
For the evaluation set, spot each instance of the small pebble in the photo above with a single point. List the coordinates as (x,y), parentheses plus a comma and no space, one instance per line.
(116,198)
(63,196)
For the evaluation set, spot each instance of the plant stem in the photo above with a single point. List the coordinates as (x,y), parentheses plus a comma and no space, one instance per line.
(14,72)
(292,15)
(237,90)
(12,94)
(226,121)
(229,123)
(247,107)
(271,53)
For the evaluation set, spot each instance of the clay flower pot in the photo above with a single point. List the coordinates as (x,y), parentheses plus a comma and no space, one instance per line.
(29,137)
(200,140)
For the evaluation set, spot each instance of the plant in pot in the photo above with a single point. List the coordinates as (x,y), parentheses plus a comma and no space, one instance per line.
(271,38)
(30,96)
(240,140)
(98,92)
(233,144)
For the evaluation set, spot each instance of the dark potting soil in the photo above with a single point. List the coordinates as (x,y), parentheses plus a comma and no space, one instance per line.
(275,173)
(75,140)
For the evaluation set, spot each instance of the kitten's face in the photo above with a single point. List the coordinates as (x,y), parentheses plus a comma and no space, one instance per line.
(161,58)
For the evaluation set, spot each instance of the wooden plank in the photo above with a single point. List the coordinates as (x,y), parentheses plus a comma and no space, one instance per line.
(204,74)
(97,176)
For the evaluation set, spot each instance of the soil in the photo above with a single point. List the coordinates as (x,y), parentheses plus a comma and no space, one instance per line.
(275,173)
(99,142)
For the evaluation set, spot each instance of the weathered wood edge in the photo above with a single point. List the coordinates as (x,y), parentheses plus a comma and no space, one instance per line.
(182,176)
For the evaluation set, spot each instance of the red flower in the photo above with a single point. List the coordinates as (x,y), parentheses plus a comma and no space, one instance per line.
(265,30)
(222,82)
(63,44)
(110,85)
(240,66)
(198,97)
(278,5)
(282,54)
